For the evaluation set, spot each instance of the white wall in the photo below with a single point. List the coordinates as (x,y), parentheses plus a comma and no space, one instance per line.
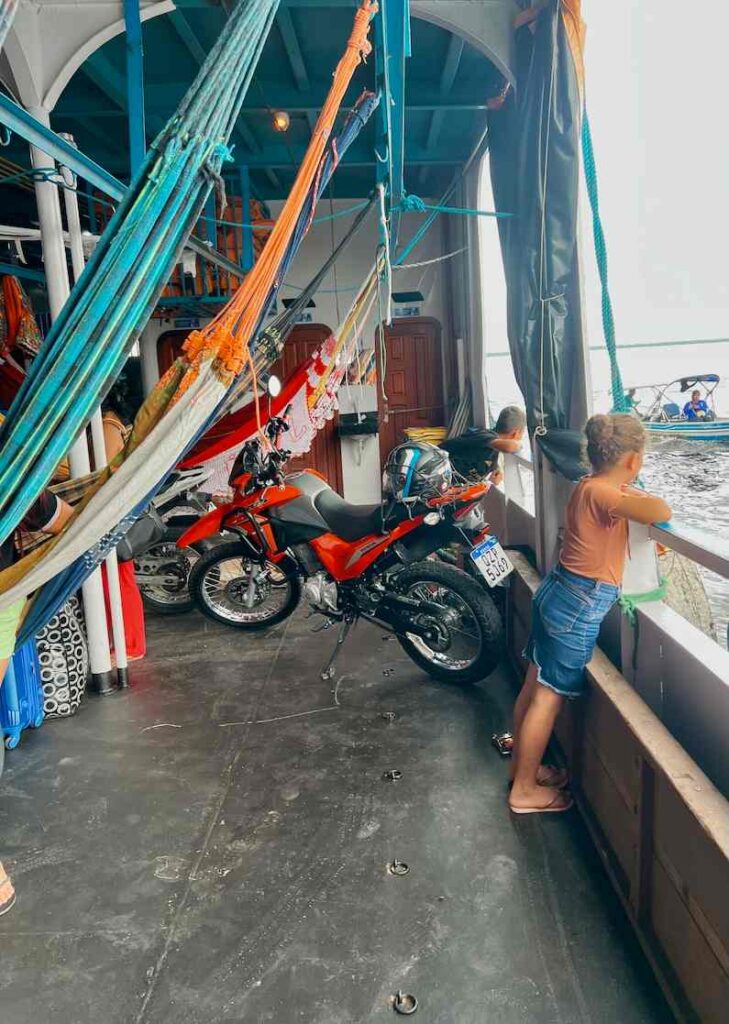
(360,463)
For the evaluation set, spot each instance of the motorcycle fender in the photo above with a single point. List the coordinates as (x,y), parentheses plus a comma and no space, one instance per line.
(421,543)
(207,526)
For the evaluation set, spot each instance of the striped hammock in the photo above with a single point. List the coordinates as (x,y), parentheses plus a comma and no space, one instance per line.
(89,342)
(193,392)
(310,395)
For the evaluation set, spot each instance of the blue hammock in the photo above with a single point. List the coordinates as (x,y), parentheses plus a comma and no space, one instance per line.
(55,593)
(90,340)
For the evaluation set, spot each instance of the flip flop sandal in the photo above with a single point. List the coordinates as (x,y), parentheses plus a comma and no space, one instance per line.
(557,779)
(561,803)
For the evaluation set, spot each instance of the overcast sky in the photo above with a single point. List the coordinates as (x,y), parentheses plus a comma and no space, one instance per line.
(657,92)
(657,97)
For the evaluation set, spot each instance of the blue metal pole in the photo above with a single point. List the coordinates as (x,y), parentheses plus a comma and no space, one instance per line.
(23,124)
(245,206)
(135,84)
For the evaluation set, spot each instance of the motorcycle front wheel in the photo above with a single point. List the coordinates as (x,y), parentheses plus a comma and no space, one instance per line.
(229,588)
(466,635)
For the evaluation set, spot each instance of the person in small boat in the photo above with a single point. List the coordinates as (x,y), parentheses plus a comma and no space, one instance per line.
(475,454)
(697,408)
(48,514)
(573,600)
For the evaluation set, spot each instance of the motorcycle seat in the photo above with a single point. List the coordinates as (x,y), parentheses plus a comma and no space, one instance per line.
(350,522)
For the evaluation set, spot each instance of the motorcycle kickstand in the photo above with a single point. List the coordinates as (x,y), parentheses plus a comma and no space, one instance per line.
(328,671)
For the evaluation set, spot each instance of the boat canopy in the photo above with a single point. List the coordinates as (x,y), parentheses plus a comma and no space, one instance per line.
(687,383)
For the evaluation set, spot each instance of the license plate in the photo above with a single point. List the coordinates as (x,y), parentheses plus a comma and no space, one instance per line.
(491,560)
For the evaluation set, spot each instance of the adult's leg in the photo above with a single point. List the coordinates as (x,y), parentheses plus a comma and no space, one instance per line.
(534,734)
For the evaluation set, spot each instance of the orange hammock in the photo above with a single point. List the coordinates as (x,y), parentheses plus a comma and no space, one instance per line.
(226,337)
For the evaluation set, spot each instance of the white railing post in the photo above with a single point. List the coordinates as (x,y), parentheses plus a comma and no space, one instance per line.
(98,445)
(56,268)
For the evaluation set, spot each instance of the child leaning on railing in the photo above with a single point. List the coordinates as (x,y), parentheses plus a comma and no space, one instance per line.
(573,600)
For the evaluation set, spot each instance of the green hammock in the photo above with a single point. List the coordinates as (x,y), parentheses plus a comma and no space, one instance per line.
(90,341)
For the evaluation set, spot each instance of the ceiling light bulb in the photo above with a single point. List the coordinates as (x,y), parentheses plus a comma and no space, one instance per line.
(281,121)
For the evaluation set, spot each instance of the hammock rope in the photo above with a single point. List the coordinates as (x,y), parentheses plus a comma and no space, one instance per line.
(227,335)
(192,393)
(90,340)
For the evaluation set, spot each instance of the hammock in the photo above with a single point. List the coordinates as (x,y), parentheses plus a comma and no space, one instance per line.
(90,340)
(193,391)
(309,393)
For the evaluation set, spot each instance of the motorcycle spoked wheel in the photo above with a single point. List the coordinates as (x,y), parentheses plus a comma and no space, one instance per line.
(162,599)
(219,586)
(468,635)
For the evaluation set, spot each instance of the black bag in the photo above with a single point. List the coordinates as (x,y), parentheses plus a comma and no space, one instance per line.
(148,530)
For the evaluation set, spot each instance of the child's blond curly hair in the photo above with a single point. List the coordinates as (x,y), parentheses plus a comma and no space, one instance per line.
(609,437)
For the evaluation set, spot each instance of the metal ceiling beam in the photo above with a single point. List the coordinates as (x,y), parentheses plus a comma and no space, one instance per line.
(447,78)
(135,84)
(293,49)
(186,35)
(288,97)
(197,52)
(392,48)
(113,84)
(359,158)
(29,128)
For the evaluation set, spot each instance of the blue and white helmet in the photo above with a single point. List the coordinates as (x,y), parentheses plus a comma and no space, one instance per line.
(416,470)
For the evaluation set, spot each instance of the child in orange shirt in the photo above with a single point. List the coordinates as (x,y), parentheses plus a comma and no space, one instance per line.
(573,600)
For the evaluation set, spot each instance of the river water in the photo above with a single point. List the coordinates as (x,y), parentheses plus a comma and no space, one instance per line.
(692,476)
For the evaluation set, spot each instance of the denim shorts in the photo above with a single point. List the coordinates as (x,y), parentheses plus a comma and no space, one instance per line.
(567,613)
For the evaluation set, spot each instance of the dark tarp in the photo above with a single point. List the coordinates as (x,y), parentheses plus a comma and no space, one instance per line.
(535,167)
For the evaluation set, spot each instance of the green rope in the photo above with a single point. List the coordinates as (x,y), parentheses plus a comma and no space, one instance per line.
(39,173)
(414,204)
(629,602)
(269,227)
(620,402)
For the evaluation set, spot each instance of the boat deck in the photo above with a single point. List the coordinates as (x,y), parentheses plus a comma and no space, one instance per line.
(212,846)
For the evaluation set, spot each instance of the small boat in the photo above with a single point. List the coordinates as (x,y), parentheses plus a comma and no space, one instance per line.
(663,409)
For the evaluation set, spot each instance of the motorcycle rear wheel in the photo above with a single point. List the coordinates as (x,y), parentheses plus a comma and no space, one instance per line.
(470,640)
(169,599)
(218,585)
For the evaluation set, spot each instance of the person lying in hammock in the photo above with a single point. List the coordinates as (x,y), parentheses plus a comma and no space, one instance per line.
(48,514)
(475,454)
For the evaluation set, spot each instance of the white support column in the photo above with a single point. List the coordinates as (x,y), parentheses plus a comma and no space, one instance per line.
(149,361)
(98,445)
(56,268)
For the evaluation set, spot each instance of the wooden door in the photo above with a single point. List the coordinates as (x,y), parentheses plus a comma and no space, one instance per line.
(413,379)
(325,455)
(169,348)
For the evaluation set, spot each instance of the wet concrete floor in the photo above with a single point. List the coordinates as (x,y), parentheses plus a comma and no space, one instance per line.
(212,846)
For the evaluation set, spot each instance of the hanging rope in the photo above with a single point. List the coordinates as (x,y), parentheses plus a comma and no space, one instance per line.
(414,204)
(429,263)
(620,402)
(384,249)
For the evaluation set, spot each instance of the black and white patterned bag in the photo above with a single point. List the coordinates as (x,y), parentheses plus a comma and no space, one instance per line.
(64,660)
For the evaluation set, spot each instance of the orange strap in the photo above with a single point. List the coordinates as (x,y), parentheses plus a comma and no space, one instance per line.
(227,336)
